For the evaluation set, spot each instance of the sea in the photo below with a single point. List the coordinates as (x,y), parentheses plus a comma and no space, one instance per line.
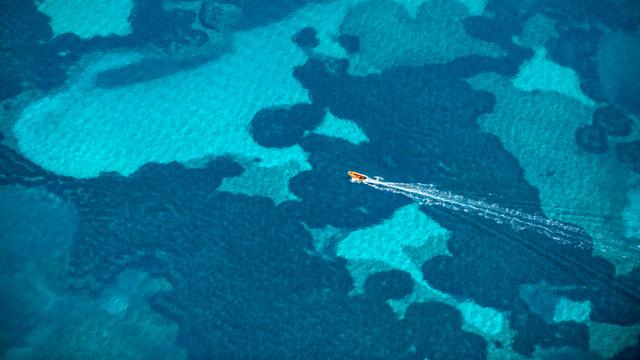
(173,179)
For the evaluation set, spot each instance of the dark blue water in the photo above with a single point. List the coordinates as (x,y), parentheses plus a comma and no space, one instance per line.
(173,179)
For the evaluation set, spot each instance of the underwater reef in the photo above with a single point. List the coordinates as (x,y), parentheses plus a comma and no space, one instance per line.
(175,186)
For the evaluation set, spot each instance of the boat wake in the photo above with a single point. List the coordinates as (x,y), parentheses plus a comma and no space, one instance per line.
(426,194)
(573,237)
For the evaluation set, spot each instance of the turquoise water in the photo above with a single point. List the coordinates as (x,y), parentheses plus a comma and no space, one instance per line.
(173,179)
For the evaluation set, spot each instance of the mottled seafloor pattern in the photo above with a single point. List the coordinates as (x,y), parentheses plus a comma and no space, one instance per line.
(172,178)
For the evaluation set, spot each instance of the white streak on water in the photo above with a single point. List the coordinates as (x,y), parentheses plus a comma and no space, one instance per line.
(427,194)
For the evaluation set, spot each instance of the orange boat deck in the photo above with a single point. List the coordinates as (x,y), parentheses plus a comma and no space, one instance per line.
(356,176)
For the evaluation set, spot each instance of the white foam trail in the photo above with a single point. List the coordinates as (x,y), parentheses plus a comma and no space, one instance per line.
(427,194)
(572,236)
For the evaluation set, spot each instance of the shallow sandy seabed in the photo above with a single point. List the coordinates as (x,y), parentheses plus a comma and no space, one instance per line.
(542,139)
(88,18)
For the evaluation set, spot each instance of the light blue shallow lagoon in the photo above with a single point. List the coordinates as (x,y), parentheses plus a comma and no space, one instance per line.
(173,179)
